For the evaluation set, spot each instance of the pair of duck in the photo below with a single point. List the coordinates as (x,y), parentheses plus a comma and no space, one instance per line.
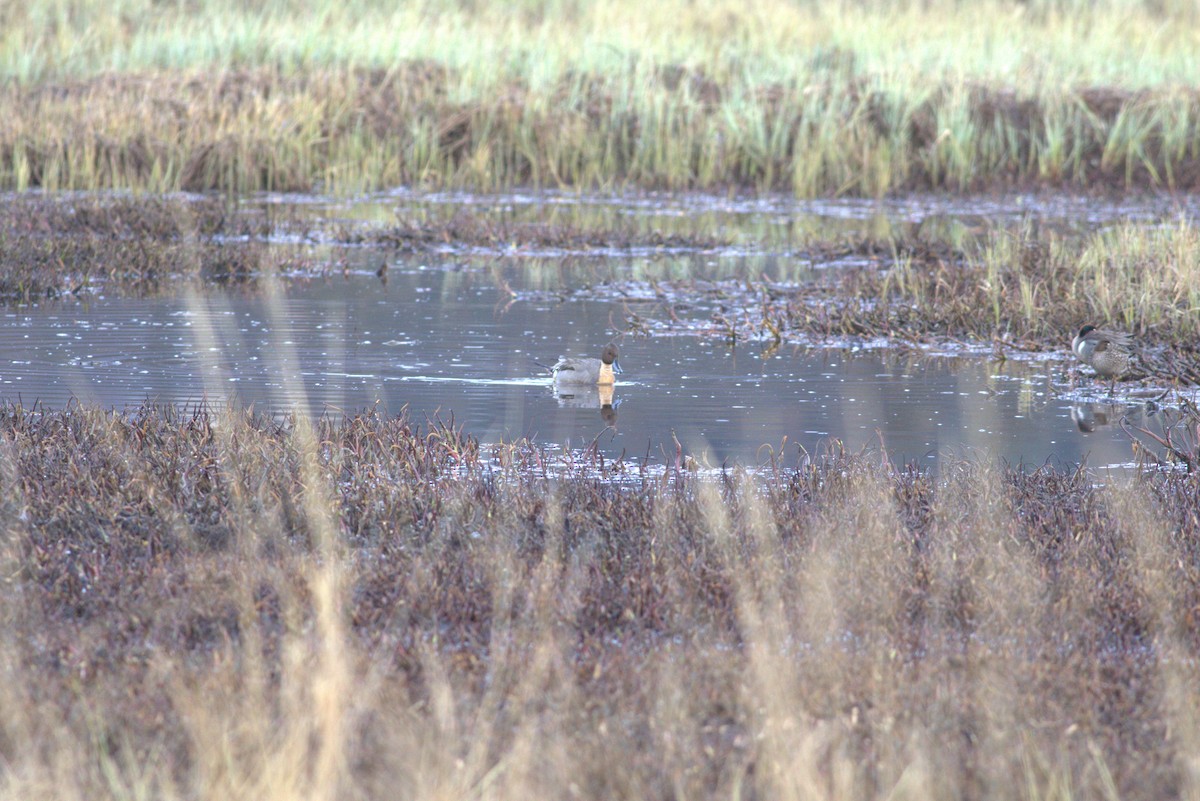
(1108,352)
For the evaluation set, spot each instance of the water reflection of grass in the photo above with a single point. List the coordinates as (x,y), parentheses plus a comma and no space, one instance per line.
(879,98)
(215,605)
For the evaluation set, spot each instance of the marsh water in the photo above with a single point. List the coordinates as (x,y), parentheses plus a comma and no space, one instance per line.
(457,337)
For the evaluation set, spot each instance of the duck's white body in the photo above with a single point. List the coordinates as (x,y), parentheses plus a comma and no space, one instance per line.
(591,372)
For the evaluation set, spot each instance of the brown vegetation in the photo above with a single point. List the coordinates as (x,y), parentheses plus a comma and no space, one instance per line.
(217,605)
(78,244)
(470,229)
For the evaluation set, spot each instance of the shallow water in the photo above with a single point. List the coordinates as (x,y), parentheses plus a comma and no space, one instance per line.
(771,218)
(445,337)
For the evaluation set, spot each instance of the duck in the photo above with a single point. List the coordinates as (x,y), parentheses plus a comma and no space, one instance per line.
(1108,352)
(592,372)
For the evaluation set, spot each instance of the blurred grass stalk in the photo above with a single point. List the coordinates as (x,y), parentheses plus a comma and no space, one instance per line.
(388,613)
(821,98)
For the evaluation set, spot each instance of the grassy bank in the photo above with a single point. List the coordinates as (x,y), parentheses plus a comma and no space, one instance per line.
(819,99)
(1024,286)
(220,606)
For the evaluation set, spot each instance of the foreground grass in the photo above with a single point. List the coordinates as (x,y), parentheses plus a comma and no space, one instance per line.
(220,606)
(862,98)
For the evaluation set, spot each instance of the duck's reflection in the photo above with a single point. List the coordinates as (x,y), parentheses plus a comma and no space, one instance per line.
(591,398)
(1089,417)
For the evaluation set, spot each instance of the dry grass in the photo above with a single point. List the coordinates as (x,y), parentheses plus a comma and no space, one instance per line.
(219,606)
(346,131)
(859,98)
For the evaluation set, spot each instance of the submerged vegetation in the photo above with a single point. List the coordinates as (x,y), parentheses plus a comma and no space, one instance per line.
(212,604)
(74,245)
(813,99)
(1024,288)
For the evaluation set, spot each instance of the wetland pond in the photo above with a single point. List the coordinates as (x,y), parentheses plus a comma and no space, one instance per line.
(455,334)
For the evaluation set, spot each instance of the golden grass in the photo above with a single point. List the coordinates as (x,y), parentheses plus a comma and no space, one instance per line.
(1028,287)
(1140,277)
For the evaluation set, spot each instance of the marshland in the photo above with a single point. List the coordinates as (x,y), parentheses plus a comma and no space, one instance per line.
(292,507)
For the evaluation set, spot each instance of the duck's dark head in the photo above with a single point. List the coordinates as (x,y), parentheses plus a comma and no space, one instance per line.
(609,356)
(1087,329)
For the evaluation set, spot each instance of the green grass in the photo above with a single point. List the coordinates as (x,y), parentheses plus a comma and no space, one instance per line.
(1036,45)
(863,99)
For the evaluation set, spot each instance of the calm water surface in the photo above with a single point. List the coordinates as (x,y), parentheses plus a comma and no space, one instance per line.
(444,337)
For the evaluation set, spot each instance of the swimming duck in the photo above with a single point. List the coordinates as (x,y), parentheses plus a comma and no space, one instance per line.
(1108,352)
(588,371)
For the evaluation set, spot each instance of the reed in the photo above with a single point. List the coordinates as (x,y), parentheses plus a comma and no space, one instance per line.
(1022,286)
(1135,276)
